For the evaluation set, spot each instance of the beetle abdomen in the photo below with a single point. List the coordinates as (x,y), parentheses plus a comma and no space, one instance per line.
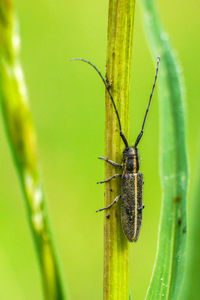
(132,205)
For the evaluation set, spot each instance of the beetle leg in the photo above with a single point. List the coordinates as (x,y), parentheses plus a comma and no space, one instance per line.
(141,207)
(109,206)
(110,178)
(110,162)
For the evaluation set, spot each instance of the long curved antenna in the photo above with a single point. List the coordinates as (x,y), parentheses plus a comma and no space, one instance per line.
(145,117)
(111,97)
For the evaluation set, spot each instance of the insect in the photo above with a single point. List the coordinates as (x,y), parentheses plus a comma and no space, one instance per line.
(131,179)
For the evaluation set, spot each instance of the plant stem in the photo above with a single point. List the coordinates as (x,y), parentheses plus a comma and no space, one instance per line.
(169,265)
(116,247)
(21,134)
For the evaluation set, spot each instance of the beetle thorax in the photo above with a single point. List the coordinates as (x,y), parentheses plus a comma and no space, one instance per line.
(130,160)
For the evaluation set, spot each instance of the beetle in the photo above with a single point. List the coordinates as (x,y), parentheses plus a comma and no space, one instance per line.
(131,179)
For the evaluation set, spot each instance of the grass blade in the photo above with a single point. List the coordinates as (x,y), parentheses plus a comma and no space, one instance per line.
(21,134)
(192,274)
(169,266)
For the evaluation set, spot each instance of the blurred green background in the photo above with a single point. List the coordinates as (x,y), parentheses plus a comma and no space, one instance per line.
(67,101)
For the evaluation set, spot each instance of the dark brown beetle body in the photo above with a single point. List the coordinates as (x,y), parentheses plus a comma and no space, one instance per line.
(131,195)
(132,180)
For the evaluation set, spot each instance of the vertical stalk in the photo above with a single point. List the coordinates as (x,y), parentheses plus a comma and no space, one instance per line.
(21,134)
(116,247)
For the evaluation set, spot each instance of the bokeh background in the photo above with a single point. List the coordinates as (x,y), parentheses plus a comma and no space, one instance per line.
(67,102)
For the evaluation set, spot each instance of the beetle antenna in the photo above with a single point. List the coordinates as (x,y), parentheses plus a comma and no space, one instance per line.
(145,117)
(111,97)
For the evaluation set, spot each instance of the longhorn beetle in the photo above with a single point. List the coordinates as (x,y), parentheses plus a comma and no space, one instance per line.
(132,180)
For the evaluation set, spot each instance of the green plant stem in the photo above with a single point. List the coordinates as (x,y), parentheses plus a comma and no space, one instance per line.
(22,139)
(169,266)
(119,49)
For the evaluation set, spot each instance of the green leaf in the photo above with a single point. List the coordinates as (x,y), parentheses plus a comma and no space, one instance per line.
(169,265)
(130,297)
(191,288)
